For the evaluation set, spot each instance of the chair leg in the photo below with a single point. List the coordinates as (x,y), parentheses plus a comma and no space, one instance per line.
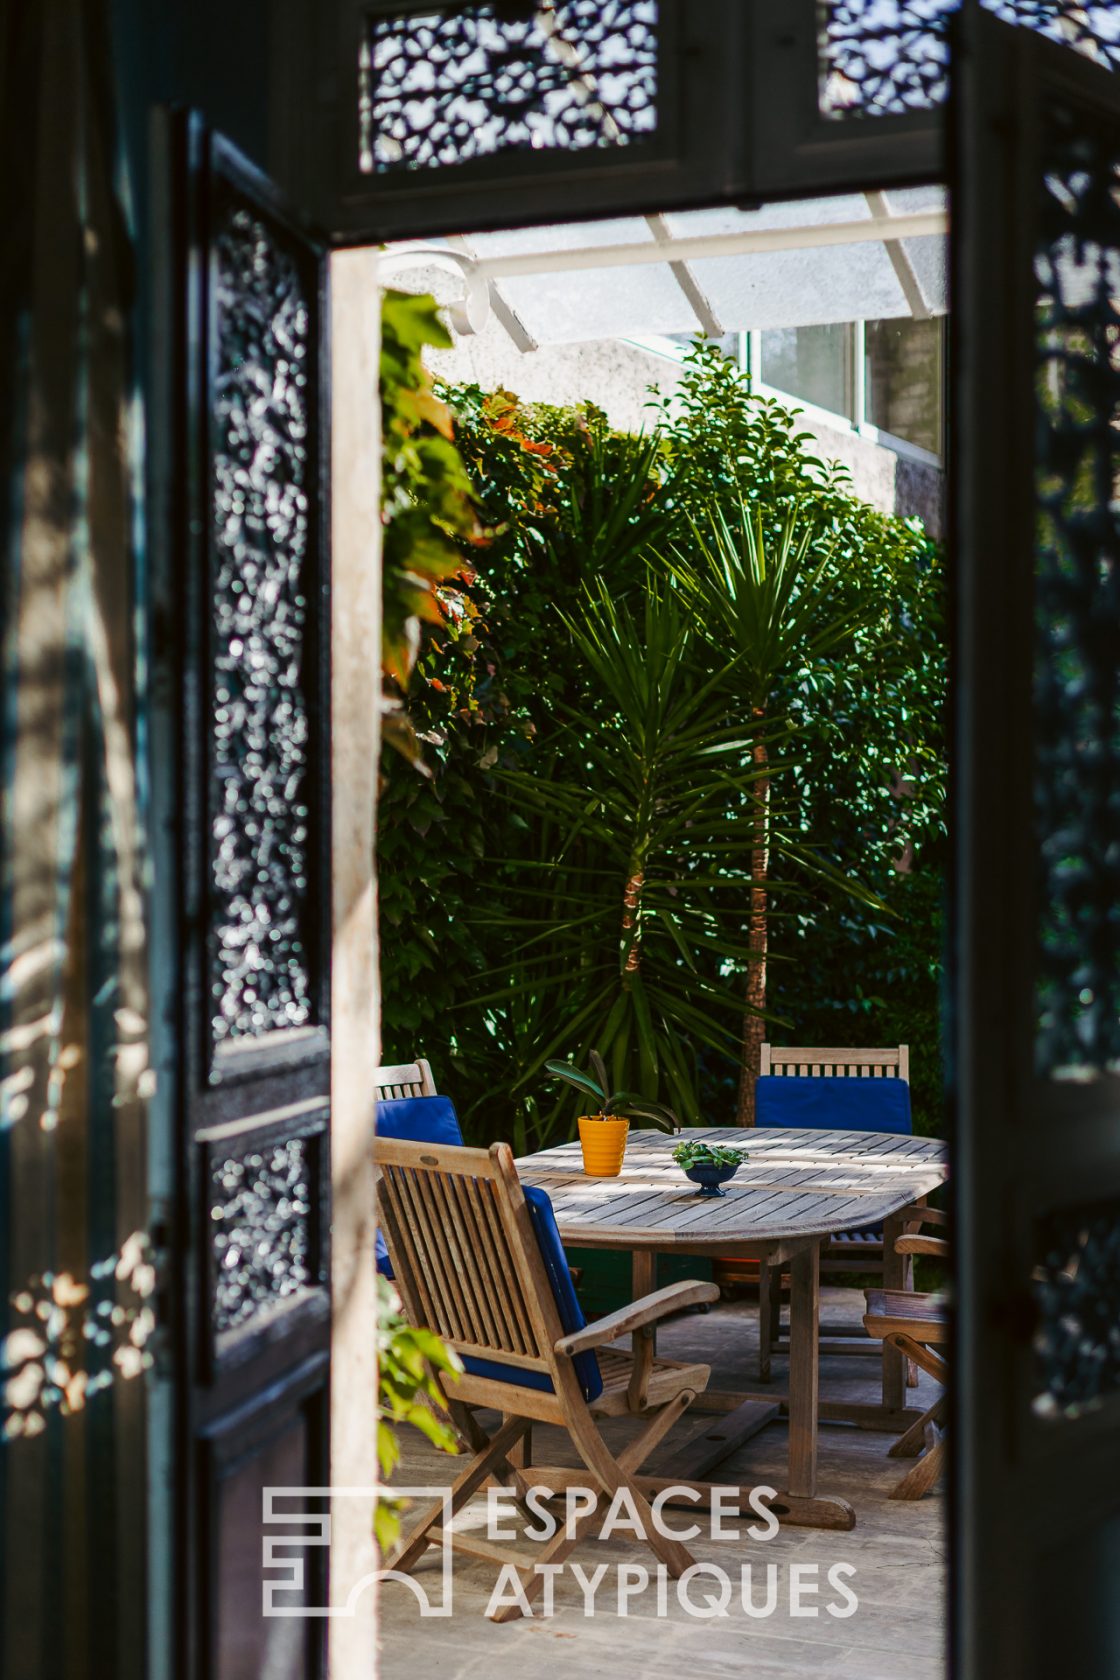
(927,1357)
(462,1489)
(911,1444)
(629,1460)
(608,1473)
(635,1453)
(924,1473)
(769,1314)
(508,1469)
(531,1579)
(924,1432)
(911,1366)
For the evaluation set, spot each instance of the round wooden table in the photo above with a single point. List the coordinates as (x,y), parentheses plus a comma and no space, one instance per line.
(797,1188)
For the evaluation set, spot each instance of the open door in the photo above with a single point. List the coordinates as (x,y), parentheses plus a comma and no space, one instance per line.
(1036,442)
(243,610)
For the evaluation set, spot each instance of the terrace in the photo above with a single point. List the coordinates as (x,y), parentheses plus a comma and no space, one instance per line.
(897,1553)
(677,580)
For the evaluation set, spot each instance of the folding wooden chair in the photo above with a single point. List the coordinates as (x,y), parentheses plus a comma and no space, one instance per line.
(478,1260)
(849,1251)
(915,1324)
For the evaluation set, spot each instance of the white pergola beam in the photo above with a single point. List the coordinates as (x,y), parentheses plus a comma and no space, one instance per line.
(900,261)
(686,280)
(920,225)
(506,317)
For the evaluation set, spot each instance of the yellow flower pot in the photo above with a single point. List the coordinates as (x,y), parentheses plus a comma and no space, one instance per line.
(603,1141)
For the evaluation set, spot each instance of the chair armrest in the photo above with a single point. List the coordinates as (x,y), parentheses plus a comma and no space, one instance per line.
(912,1219)
(924,1216)
(646,1311)
(922,1245)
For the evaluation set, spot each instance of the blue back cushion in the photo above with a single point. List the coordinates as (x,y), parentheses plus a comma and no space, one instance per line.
(831,1104)
(586,1365)
(416,1120)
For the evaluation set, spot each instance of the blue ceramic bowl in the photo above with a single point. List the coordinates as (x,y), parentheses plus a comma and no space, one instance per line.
(711,1177)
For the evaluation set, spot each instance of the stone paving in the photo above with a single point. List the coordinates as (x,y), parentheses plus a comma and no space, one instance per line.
(895,1554)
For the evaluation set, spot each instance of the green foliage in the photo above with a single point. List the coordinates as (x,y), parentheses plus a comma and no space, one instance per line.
(427,502)
(561,702)
(780,603)
(688,1155)
(642,854)
(407,1362)
(629,1105)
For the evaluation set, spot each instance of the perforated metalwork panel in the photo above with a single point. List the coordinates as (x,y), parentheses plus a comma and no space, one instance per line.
(1077,602)
(885,57)
(449,87)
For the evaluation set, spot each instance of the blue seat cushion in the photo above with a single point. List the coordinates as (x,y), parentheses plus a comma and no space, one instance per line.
(841,1105)
(586,1365)
(416,1120)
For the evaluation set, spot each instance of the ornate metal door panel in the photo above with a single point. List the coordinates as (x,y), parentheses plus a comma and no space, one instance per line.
(251,641)
(444,116)
(852,93)
(1036,215)
(403,118)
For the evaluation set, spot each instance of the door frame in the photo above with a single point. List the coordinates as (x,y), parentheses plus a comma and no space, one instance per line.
(183,1477)
(1013,1471)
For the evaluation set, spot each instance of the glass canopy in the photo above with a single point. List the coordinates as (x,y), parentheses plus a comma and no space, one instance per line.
(853,256)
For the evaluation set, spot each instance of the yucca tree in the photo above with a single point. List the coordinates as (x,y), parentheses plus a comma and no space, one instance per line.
(778,600)
(628,926)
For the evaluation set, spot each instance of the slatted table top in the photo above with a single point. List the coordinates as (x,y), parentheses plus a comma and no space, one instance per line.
(796,1183)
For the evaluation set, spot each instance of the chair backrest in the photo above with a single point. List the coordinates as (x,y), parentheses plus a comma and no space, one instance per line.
(480,1263)
(404,1079)
(419,1119)
(893,1063)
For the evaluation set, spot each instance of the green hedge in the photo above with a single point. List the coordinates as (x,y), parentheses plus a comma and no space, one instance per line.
(568,503)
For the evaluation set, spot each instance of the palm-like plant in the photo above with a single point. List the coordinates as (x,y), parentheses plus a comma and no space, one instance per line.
(780,604)
(630,921)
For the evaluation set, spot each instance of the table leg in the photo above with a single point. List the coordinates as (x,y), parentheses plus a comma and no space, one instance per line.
(804,1370)
(894,1277)
(643,1278)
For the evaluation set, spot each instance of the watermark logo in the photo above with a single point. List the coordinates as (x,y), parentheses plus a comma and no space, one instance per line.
(297,1523)
(291,1528)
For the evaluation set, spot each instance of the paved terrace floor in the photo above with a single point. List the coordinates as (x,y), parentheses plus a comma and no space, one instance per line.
(897,1550)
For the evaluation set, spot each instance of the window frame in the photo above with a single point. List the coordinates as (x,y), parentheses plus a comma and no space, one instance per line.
(751,363)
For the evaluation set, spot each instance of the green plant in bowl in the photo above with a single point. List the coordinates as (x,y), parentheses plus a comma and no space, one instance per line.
(709,1165)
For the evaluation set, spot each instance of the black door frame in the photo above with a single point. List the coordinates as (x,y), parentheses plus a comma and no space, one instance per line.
(1032,1150)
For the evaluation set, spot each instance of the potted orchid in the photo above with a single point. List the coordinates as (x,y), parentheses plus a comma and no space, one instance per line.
(603,1131)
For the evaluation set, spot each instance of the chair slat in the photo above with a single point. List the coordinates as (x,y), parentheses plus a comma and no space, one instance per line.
(461,1261)
(479,1205)
(521,1323)
(468,1238)
(412,1277)
(443,1282)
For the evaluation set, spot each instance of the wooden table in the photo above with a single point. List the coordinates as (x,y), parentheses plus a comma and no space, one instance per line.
(797,1188)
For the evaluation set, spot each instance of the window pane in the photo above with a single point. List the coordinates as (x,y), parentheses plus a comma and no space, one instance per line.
(813,363)
(904,378)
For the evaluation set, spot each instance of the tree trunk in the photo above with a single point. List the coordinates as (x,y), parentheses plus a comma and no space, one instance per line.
(631,912)
(754,1027)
